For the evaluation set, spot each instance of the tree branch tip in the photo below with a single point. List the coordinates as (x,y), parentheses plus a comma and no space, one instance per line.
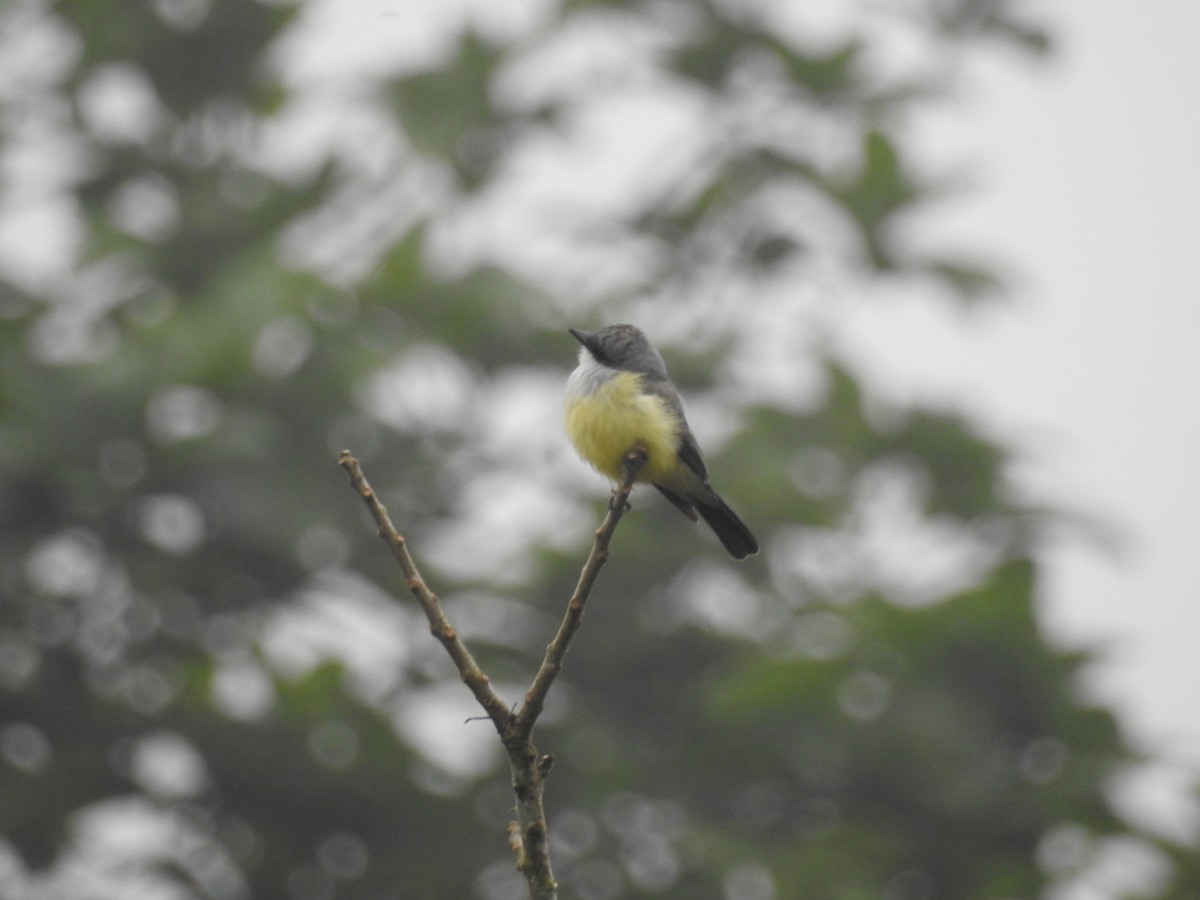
(634,460)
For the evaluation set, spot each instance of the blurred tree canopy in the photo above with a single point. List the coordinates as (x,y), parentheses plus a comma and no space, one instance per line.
(237,236)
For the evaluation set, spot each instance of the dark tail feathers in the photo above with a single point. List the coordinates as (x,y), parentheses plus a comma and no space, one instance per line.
(729,528)
(720,518)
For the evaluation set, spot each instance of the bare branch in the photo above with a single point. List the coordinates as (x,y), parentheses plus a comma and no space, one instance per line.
(528,836)
(535,699)
(473,676)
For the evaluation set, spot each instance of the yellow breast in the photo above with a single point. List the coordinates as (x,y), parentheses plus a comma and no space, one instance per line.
(609,421)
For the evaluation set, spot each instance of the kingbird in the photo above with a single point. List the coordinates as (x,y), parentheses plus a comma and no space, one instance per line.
(619,398)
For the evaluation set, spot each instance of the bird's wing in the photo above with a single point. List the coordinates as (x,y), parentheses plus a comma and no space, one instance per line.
(684,506)
(689,450)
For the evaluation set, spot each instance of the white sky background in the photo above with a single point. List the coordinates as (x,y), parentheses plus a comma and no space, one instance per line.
(1089,187)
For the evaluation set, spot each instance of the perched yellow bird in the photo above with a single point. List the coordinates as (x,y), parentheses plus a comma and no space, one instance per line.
(620,397)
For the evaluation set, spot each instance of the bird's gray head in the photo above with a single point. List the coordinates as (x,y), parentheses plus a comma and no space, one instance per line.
(623,347)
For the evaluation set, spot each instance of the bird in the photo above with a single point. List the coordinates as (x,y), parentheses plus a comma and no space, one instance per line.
(619,398)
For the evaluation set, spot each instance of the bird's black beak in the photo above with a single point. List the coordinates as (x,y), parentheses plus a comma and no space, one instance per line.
(587,338)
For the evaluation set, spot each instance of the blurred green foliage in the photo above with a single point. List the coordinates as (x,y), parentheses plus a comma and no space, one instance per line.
(201,639)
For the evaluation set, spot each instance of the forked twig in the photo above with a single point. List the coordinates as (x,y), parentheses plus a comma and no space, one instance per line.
(528,836)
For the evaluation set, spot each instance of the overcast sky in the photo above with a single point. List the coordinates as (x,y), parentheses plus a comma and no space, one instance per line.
(1090,189)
